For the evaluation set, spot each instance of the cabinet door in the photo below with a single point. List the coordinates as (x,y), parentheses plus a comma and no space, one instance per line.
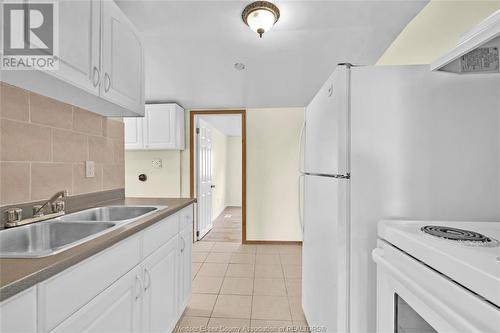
(122,60)
(185,278)
(18,313)
(160,286)
(117,309)
(180,127)
(160,126)
(134,138)
(79,23)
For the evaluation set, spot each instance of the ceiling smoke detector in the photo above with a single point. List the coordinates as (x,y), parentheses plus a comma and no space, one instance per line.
(239,66)
(260,16)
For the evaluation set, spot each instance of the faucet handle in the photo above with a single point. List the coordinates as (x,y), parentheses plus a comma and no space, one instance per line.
(58,206)
(14,215)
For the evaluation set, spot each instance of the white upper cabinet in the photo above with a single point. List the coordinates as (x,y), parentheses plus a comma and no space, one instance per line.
(134,138)
(79,23)
(162,128)
(101,61)
(122,59)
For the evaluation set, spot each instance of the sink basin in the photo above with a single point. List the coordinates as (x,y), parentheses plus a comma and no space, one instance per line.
(46,238)
(110,213)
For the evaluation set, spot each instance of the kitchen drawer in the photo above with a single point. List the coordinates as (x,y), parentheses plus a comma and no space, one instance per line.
(186,218)
(18,313)
(63,294)
(160,233)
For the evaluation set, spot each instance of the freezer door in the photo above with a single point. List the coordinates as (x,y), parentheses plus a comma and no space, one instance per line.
(327,126)
(323,268)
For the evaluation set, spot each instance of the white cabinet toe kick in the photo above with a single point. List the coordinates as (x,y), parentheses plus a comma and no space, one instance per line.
(141,284)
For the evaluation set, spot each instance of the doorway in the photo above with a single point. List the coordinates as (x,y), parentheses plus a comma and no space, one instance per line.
(218,174)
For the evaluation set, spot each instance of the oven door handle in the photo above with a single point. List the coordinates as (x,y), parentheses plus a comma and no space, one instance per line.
(424,295)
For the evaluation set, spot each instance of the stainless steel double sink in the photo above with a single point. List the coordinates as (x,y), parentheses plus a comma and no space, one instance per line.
(53,236)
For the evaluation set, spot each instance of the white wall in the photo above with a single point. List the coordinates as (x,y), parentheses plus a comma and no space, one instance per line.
(435,30)
(164,182)
(233,167)
(272,173)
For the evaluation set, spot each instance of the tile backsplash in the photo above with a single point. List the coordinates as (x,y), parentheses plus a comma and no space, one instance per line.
(44,144)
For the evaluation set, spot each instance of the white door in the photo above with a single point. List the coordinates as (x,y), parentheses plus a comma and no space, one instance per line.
(204,179)
(134,133)
(323,268)
(122,60)
(117,309)
(160,126)
(327,125)
(185,284)
(79,23)
(160,287)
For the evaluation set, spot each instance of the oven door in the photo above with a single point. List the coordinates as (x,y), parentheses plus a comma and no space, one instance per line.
(412,297)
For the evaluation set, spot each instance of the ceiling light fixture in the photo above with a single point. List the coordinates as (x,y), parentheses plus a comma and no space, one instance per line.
(260,16)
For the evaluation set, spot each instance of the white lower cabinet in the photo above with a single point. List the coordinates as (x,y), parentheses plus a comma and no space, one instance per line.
(117,309)
(141,284)
(185,240)
(160,307)
(18,313)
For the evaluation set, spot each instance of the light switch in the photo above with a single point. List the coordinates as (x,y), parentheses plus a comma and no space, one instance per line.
(89,169)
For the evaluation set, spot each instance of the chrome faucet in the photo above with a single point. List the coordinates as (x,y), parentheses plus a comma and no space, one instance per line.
(14,215)
(56,207)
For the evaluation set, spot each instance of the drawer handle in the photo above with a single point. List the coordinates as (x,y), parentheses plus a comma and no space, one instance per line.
(147,278)
(138,287)
(183,244)
(96,77)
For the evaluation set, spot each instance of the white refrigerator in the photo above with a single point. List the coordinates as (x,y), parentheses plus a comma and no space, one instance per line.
(389,142)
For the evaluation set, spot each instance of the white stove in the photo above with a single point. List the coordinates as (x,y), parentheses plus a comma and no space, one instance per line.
(445,273)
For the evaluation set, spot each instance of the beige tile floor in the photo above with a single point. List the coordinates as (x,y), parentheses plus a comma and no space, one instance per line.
(242,288)
(227,227)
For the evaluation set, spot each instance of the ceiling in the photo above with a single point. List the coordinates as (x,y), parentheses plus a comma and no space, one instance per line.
(229,125)
(191,48)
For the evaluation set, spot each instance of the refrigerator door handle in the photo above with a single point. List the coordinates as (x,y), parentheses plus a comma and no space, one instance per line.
(301,149)
(301,219)
(337,176)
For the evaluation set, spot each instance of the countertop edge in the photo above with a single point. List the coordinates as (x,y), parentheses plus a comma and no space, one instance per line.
(102,244)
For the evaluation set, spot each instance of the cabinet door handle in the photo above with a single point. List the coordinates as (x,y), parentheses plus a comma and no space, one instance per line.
(147,278)
(183,244)
(138,287)
(96,77)
(107,82)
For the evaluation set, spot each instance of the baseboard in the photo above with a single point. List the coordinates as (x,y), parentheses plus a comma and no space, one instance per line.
(272,242)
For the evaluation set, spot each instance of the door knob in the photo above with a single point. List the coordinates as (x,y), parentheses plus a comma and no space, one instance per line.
(212,186)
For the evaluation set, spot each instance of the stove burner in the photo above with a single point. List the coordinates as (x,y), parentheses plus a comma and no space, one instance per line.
(455,234)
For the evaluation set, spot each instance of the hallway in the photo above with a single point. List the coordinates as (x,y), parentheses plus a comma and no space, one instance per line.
(227,227)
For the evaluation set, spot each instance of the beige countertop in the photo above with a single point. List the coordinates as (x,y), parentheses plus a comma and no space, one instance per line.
(17,275)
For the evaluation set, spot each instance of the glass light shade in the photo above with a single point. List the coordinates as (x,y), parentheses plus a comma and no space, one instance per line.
(261,20)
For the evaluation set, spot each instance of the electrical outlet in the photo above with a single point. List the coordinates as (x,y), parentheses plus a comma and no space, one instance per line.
(157,163)
(89,169)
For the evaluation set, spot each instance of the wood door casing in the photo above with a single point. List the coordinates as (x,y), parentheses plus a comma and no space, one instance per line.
(192,194)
